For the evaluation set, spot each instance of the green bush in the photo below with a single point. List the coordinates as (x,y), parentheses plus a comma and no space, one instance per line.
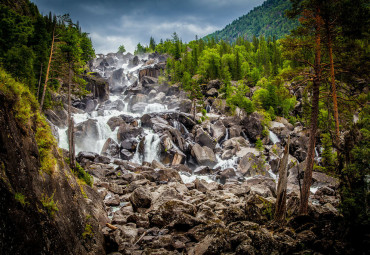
(50,206)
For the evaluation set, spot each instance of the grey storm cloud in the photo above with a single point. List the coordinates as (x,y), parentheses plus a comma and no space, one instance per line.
(111,23)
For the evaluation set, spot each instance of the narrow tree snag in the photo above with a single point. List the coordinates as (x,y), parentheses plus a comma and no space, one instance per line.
(38,88)
(333,86)
(307,180)
(280,209)
(47,71)
(70,122)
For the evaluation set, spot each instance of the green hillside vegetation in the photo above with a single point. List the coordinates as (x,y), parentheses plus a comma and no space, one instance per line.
(25,42)
(267,20)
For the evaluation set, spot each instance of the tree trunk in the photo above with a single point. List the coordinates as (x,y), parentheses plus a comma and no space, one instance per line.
(70,123)
(47,72)
(333,87)
(307,180)
(280,209)
(38,88)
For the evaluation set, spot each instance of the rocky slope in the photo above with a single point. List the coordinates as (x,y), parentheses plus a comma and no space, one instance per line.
(175,182)
(42,210)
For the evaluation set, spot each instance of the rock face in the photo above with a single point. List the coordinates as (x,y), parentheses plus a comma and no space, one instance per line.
(253,126)
(27,225)
(98,87)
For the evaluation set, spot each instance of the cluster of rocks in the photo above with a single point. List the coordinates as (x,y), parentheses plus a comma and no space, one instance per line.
(153,212)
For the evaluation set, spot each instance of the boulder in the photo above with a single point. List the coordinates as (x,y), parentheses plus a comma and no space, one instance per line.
(126,132)
(250,165)
(57,116)
(204,139)
(129,144)
(204,155)
(114,122)
(252,125)
(98,87)
(218,130)
(85,131)
(214,84)
(139,107)
(212,92)
(262,185)
(140,198)
(110,148)
(185,105)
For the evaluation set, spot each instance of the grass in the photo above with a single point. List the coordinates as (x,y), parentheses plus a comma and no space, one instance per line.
(88,233)
(20,198)
(26,112)
(50,206)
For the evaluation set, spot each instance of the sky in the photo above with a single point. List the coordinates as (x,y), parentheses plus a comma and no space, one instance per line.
(112,23)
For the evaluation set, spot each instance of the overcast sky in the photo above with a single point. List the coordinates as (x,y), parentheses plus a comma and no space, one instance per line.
(115,22)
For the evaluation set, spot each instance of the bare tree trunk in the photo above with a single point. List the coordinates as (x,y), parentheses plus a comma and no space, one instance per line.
(333,86)
(70,122)
(38,88)
(307,180)
(194,108)
(280,209)
(47,71)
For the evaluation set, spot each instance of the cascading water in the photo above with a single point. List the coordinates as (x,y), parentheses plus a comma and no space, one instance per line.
(151,148)
(273,137)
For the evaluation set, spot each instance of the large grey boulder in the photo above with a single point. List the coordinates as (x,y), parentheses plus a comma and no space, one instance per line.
(204,155)
(140,198)
(87,130)
(218,130)
(204,139)
(253,127)
(251,165)
(98,87)
(110,148)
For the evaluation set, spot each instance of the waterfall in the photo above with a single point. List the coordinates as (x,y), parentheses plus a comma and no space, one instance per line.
(151,148)
(273,137)
(155,108)
(228,163)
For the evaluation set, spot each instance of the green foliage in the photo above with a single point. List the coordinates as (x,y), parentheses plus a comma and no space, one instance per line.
(20,198)
(328,156)
(121,49)
(267,19)
(239,99)
(83,175)
(46,144)
(25,41)
(259,145)
(88,232)
(50,206)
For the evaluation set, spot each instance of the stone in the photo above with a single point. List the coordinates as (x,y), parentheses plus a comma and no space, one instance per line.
(204,155)
(127,132)
(218,130)
(204,139)
(115,122)
(252,126)
(216,84)
(140,198)
(110,148)
(185,105)
(212,92)
(250,165)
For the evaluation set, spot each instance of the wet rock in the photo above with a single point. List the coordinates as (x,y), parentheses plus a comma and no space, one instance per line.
(57,116)
(128,132)
(202,170)
(85,132)
(115,122)
(140,198)
(204,155)
(110,148)
(185,105)
(98,86)
(220,105)
(102,159)
(139,107)
(235,131)
(173,90)
(182,168)
(129,144)
(252,126)
(218,130)
(126,154)
(250,165)
(214,84)
(158,98)
(212,92)
(204,139)
(86,155)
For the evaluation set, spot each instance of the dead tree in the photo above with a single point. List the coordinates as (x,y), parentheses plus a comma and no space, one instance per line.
(280,209)
(47,71)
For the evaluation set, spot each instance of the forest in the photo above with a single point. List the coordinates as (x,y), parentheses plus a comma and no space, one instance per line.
(306,61)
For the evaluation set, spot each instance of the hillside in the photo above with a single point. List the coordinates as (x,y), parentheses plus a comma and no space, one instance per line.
(267,20)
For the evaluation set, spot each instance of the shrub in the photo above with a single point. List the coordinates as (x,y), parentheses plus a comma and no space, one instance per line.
(50,206)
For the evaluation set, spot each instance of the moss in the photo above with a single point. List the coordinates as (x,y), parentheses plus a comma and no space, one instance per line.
(83,175)
(20,198)
(49,205)
(26,112)
(88,233)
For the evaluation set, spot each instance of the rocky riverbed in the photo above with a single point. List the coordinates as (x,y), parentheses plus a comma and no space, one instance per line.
(173,184)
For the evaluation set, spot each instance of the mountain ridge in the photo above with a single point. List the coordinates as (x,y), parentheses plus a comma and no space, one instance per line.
(267,20)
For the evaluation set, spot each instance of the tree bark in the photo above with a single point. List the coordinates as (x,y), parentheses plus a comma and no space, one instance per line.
(70,123)
(280,209)
(47,71)
(38,88)
(333,86)
(307,180)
